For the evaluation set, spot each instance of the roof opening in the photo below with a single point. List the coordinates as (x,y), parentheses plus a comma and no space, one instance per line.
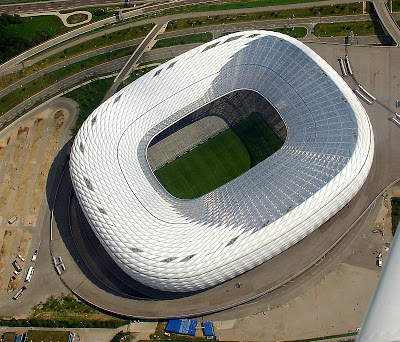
(210,46)
(232,241)
(231,124)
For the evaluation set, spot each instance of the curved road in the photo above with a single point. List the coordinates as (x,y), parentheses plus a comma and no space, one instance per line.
(87,28)
(154,9)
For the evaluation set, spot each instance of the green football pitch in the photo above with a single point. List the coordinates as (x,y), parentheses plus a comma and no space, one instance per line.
(220,159)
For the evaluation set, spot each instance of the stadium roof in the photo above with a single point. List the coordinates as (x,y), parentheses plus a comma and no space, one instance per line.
(185,245)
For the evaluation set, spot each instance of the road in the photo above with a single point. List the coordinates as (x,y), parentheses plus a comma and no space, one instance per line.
(149,10)
(387,20)
(47,6)
(105,68)
(217,30)
(134,58)
(87,28)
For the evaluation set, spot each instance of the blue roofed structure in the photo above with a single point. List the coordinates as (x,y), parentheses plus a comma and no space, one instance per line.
(182,326)
(208,328)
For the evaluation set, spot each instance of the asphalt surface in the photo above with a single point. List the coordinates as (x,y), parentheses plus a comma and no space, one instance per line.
(387,20)
(101,69)
(149,10)
(217,30)
(87,28)
(57,5)
(69,61)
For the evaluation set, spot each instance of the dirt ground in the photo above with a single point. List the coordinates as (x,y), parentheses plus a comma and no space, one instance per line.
(26,155)
(31,152)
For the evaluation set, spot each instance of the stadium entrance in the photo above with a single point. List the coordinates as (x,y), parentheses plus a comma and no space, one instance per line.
(215,144)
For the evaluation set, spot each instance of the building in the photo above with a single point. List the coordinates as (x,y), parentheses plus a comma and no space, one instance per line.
(186,245)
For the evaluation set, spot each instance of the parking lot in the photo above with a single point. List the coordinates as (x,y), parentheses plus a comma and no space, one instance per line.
(27,151)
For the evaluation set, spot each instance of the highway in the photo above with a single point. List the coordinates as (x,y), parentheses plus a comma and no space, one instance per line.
(149,10)
(217,30)
(48,6)
(87,28)
(101,69)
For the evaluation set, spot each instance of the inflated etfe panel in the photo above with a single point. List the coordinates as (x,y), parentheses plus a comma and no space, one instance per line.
(185,245)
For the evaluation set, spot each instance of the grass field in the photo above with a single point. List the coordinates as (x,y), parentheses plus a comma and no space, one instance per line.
(30,26)
(77,18)
(320,11)
(396,5)
(220,159)
(359,28)
(295,31)
(206,167)
(185,39)
(258,138)
(89,98)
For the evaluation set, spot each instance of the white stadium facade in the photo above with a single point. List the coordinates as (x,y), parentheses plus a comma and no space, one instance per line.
(177,245)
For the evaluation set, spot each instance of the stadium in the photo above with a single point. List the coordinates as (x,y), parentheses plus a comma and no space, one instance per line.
(219,160)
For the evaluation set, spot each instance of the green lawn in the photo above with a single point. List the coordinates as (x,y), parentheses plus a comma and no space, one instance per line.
(359,28)
(220,159)
(31,26)
(65,312)
(295,31)
(89,98)
(206,167)
(396,5)
(77,18)
(258,138)
(228,5)
(321,11)
(395,213)
(47,336)
(186,39)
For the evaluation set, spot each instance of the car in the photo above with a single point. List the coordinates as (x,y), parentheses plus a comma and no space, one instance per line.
(34,256)
(21,258)
(379,260)
(13,219)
